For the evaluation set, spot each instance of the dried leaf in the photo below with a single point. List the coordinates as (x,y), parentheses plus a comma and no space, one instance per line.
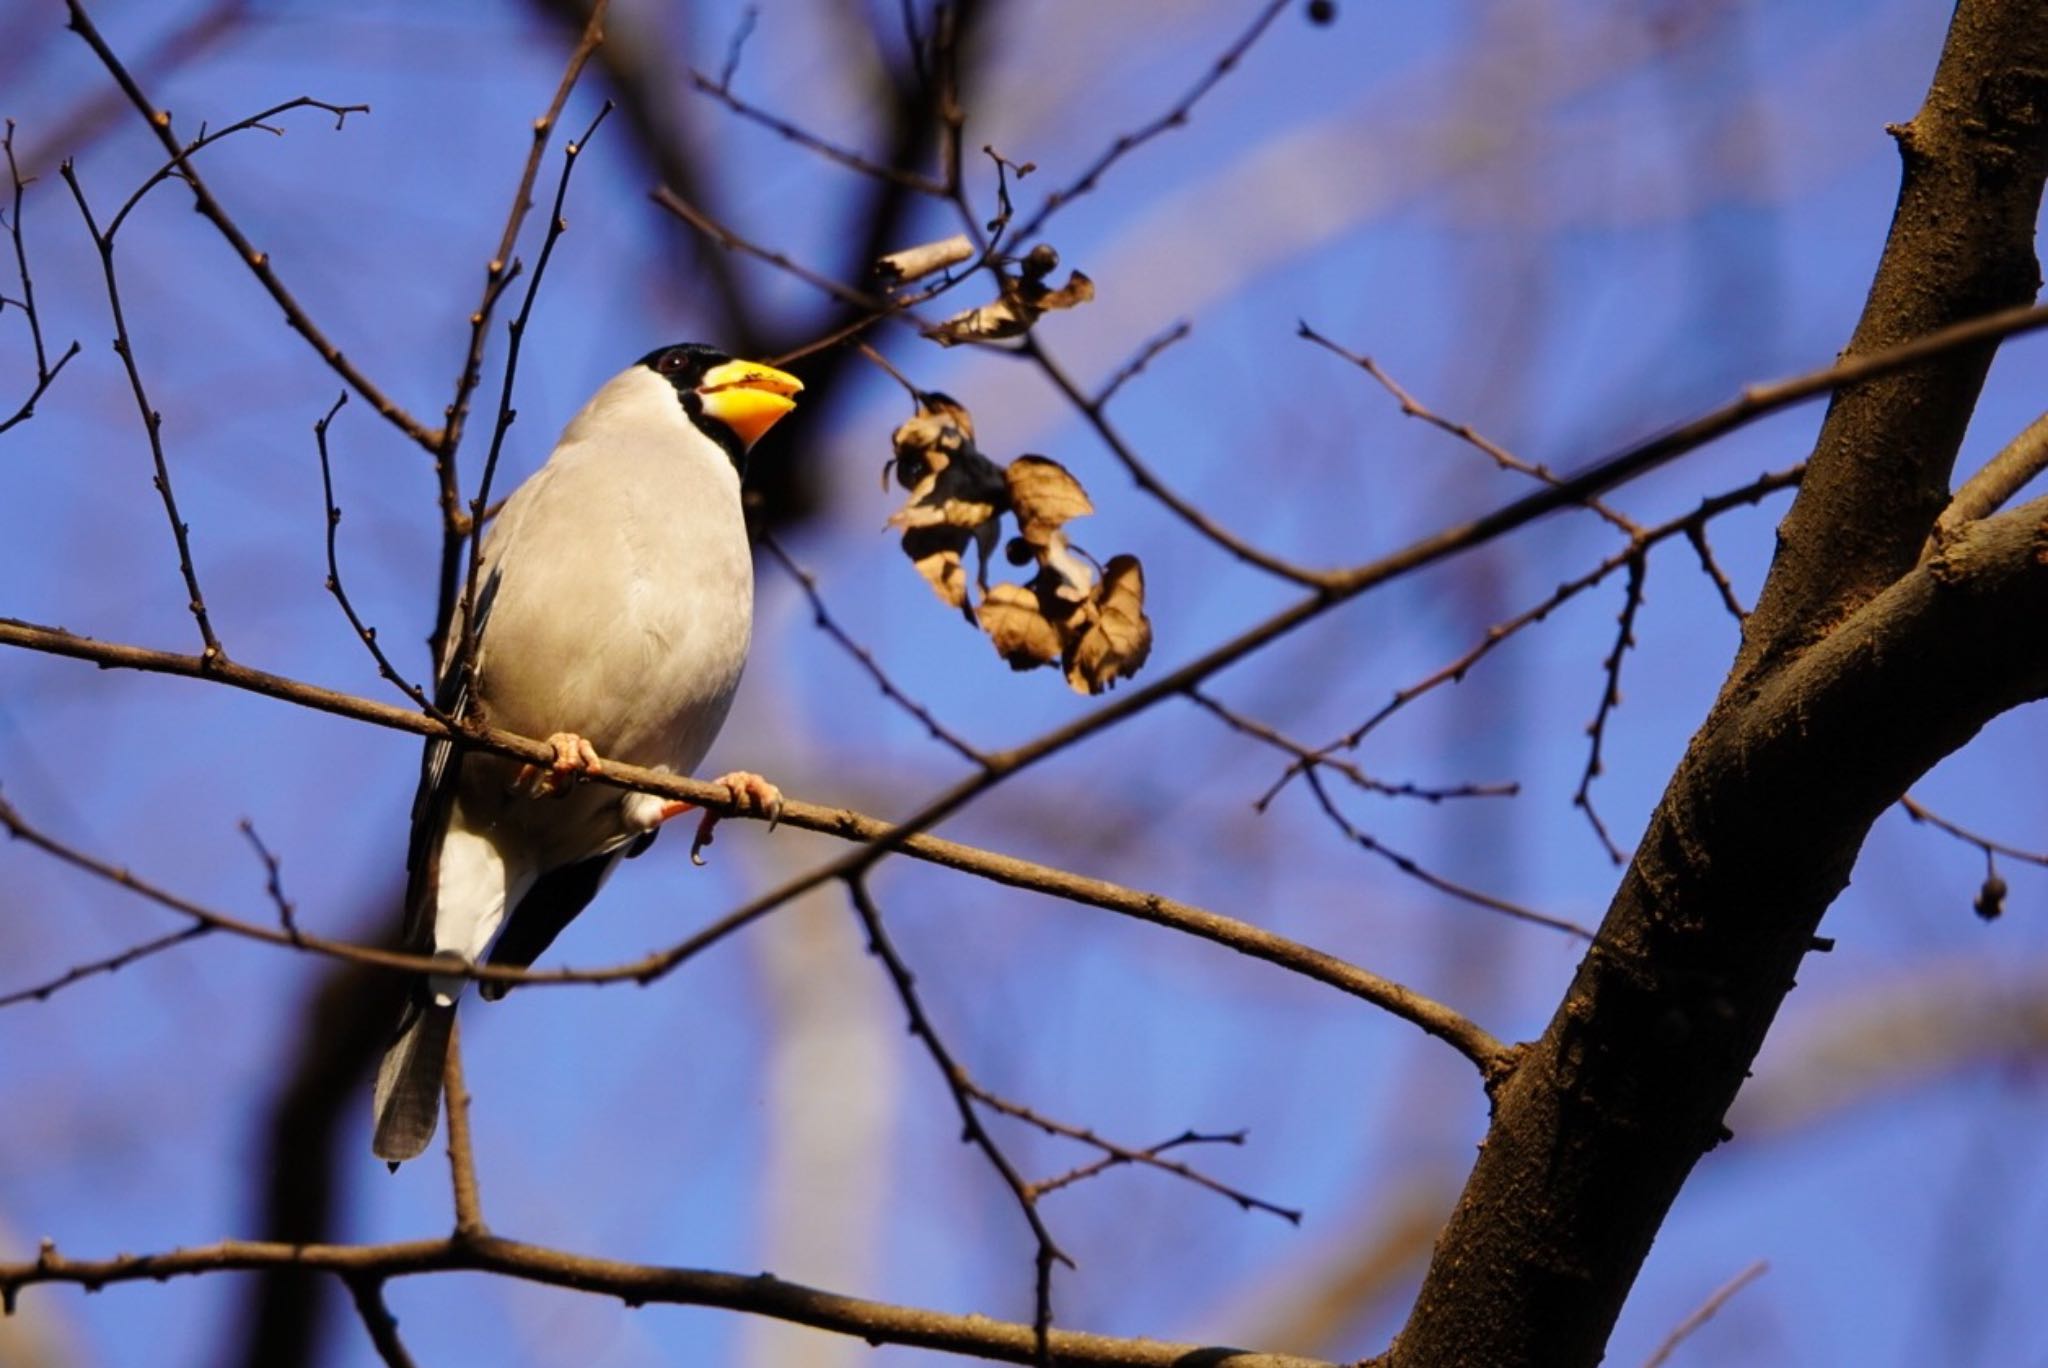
(914,263)
(1011,616)
(957,496)
(1044,496)
(1114,636)
(1013,311)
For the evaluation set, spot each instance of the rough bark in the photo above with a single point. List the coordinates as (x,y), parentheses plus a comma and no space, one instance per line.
(1961,244)
(1857,674)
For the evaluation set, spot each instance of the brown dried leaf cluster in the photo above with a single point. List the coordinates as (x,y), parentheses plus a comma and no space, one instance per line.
(1023,297)
(1093,625)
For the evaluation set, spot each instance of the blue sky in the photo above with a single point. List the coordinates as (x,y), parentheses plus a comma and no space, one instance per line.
(1566,226)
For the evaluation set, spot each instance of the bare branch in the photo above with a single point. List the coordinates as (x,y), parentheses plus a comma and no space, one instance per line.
(1114,1154)
(273,880)
(721,91)
(1109,1160)
(1146,354)
(1705,1313)
(1468,1039)
(1706,511)
(469,1207)
(827,624)
(177,168)
(452,539)
(499,273)
(760,1294)
(152,421)
(1697,535)
(46,374)
(1238,722)
(1464,432)
(1148,481)
(258,263)
(1610,699)
(2003,476)
(964,1092)
(1919,812)
(42,991)
(368,1293)
(364,632)
(1175,117)
(1414,870)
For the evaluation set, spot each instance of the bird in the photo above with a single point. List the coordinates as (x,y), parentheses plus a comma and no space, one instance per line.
(613,607)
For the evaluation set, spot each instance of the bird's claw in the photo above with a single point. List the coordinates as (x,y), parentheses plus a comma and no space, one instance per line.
(573,756)
(748,793)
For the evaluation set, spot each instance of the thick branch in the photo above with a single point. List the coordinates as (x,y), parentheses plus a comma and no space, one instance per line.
(1961,244)
(1606,1115)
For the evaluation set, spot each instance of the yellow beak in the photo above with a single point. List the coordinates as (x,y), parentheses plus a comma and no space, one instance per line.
(748,397)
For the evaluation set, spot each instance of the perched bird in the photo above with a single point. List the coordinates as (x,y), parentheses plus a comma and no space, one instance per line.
(615,601)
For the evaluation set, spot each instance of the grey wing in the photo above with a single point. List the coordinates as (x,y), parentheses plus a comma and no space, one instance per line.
(440,766)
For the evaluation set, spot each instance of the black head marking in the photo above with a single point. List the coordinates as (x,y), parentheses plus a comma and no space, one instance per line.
(683,366)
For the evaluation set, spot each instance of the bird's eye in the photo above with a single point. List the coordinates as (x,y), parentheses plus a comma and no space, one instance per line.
(673,361)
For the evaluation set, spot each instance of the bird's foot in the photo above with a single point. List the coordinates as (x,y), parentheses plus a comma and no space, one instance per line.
(749,793)
(573,756)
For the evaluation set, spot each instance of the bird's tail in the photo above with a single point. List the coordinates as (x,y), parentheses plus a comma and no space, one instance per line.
(408,1097)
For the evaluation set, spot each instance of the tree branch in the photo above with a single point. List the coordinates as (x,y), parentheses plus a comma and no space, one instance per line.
(1605,1116)
(1961,244)
(637,1284)
(258,263)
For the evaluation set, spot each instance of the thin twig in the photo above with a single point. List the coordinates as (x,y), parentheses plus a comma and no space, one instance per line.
(1175,117)
(963,1090)
(734,242)
(1238,722)
(368,1294)
(42,387)
(41,992)
(258,263)
(364,632)
(1920,813)
(1705,1313)
(1697,535)
(1123,1154)
(152,422)
(557,225)
(469,1207)
(871,309)
(721,91)
(1610,699)
(1415,871)
(273,882)
(742,31)
(179,166)
(827,624)
(1104,1162)
(1455,671)
(1150,482)
(1136,365)
(28,288)
(46,374)
(499,273)
(1464,432)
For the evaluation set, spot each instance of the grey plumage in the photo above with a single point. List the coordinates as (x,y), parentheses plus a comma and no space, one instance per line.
(617,606)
